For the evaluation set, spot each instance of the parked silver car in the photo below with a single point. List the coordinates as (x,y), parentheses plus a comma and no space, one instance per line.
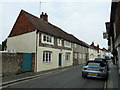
(95,69)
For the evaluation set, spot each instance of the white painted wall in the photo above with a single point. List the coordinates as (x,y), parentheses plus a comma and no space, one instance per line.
(23,43)
(55,59)
(26,43)
(92,54)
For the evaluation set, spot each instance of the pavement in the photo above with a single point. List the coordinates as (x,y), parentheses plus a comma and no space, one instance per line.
(111,83)
(113,78)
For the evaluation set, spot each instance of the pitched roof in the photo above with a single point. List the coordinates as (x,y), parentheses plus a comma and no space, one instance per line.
(46,27)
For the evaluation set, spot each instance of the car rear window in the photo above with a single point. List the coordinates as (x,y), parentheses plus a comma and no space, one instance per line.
(93,64)
(96,64)
(97,59)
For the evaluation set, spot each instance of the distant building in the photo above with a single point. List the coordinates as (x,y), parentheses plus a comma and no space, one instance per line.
(97,49)
(80,52)
(96,52)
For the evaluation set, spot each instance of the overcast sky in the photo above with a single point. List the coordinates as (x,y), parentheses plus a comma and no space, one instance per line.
(84,19)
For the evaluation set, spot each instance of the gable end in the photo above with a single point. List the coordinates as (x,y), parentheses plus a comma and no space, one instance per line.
(21,26)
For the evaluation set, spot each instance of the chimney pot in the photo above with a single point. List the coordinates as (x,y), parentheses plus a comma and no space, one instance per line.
(92,44)
(98,46)
(44,16)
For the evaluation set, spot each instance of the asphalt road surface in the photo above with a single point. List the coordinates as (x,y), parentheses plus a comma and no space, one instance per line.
(64,78)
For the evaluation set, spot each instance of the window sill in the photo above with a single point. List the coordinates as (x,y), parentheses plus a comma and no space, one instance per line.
(47,62)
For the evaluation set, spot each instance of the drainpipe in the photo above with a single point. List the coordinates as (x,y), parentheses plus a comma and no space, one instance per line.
(36,50)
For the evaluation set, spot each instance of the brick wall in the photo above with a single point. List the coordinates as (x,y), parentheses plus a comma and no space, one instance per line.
(33,62)
(10,64)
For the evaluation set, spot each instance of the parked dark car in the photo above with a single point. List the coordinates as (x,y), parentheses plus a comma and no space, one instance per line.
(96,69)
(104,61)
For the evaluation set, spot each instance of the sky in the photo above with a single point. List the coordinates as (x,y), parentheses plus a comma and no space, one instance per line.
(85,19)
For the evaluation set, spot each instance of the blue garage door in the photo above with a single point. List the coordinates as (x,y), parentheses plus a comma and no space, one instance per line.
(27,62)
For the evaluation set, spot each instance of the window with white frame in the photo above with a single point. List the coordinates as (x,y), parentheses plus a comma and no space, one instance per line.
(59,41)
(47,38)
(75,45)
(67,56)
(47,56)
(83,55)
(80,55)
(76,55)
(67,43)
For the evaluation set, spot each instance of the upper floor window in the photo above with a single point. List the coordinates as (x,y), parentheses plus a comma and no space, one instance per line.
(47,56)
(83,47)
(83,55)
(67,44)
(47,38)
(59,41)
(76,55)
(75,45)
(80,55)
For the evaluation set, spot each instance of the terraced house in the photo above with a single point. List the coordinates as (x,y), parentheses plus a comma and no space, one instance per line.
(39,44)
(80,52)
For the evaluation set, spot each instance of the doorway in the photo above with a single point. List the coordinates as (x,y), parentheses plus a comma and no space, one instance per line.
(60,59)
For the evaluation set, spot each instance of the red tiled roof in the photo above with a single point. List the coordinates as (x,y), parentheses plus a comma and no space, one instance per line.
(21,26)
(95,47)
(31,23)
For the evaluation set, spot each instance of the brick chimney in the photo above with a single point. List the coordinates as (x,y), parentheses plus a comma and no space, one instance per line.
(44,16)
(92,44)
(97,46)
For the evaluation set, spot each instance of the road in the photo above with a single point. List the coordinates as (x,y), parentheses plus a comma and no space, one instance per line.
(64,78)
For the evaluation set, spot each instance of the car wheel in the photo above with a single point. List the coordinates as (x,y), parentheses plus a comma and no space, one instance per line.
(106,78)
(84,76)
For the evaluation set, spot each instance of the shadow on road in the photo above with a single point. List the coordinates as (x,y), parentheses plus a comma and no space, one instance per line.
(96,79)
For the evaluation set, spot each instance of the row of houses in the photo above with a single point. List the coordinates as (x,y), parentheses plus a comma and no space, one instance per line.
(113,32)
(44,46)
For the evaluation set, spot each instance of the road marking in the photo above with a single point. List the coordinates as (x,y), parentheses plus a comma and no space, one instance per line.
(105,85)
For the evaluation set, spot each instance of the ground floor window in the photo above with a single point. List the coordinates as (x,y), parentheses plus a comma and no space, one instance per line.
(47,56)
(67,56)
